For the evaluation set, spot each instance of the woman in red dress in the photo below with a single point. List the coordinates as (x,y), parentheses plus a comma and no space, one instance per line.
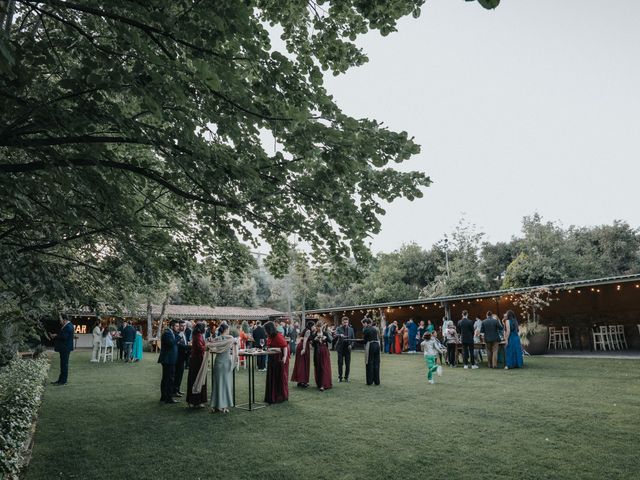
(302,363)
(198,355)
(277,389)
(399,336)
(321,359)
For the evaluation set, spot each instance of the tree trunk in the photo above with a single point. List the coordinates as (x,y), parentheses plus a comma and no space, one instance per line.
(149,320)
(162,312)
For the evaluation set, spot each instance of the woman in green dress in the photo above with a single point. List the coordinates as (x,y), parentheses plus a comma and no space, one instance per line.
(223,365)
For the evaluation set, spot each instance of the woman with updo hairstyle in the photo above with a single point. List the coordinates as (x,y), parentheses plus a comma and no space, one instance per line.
(302,363)
(321,359)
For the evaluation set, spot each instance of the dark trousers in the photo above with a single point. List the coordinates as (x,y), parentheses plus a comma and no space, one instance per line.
(120,344)
(467,352)
(128,351)
(451,353)
(64,367)
(344,355)
(373,365)
(386,344)
(392,344)
(262,362)
(412,344)
(166,384)
(179,372)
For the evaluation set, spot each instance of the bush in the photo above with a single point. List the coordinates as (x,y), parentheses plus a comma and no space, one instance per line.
(21,388)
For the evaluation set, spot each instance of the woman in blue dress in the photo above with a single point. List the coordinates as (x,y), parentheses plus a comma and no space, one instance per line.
(137,346)
(513,350)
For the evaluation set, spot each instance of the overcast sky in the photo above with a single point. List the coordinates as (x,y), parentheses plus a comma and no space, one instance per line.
(534,106)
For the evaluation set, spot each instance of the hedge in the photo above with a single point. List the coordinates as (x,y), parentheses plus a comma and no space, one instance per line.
(21,387)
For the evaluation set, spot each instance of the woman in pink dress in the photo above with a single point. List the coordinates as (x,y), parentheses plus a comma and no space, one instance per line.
(277,388)
(321,358)
(302,362)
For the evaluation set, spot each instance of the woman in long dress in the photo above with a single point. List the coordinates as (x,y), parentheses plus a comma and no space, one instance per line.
(321,359)
(277,388)
(137,346)
(513,348)
(198,356)
(223,365)
(302,362)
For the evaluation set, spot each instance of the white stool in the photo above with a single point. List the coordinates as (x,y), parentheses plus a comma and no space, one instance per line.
(600,338)
(622,339)
(613,337)
(552,338)
(105,351)
(566,337)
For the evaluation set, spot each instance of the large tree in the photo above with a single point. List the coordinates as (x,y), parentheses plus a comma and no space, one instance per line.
(139,137)
(135,130)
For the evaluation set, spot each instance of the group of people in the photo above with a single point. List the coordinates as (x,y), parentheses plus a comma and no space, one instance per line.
(127,338)
(406,338)
(183,347)
(500,337)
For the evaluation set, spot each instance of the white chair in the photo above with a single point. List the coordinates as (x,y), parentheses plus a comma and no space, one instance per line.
(600,338)
(566,337)
(622,339)
(613,337)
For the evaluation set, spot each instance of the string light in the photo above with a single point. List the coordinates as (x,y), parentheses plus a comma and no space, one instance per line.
(618,287)
(579,291)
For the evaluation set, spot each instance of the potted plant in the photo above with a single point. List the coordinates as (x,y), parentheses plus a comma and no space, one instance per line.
(533,335)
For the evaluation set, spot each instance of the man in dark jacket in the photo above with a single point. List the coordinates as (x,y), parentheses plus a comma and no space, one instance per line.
(128,337)
(260,334)
(64,346)
(168,358)
(465,327)
(491,330)
(345,336)
(371,339)
(183,345)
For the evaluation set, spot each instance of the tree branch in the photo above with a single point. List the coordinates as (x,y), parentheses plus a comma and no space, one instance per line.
(79,139)
(138,170)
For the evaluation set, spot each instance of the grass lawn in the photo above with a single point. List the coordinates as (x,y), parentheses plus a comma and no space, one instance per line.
(558,419)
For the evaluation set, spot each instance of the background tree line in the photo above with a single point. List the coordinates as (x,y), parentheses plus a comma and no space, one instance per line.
(545,252)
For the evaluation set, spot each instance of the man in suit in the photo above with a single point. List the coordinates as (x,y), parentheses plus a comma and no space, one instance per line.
(491,330)
(412,330)
(465,327)
(345,335)
(168,358)
(183,345)
(371,338)
(260,334)
(64,346)
(188,332)
(120,341)
(128,337)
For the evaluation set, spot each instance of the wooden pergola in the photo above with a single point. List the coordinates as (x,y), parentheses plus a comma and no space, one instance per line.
(579,305)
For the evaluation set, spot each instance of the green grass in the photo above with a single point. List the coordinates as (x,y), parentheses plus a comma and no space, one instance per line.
(555,419)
